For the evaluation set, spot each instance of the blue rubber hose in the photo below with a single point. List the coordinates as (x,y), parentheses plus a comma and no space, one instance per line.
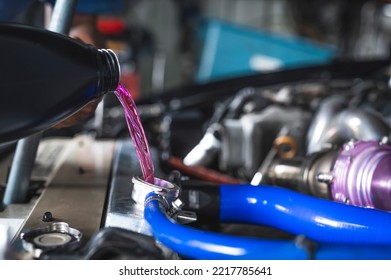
(317,219)
(199,244)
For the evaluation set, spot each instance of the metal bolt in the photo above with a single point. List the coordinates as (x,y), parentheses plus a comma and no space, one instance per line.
(324,177)
(177,204)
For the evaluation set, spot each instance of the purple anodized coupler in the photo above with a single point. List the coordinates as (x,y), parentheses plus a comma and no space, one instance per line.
(362,174)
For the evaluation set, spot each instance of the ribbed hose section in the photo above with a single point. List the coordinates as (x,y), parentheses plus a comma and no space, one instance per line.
(362,175)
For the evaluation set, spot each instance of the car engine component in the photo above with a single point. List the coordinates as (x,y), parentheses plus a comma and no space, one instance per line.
(258,167)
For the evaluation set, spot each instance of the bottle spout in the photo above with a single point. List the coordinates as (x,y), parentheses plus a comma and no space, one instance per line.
(110,71)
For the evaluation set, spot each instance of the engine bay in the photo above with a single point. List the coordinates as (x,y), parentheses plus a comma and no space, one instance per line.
(292,164)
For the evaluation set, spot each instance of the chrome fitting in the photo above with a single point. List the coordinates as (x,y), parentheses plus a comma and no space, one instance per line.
(169,191)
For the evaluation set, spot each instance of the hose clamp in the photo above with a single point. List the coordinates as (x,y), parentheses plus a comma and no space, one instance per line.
(159,198)
(169,191)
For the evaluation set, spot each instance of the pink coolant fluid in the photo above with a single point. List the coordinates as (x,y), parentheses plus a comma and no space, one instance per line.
(136,131)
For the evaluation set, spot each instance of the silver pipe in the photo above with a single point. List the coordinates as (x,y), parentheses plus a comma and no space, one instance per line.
(284,173)
(302,174)
(62,16)
(258,177)
(22,165)
(26,149)
(353,124)
(329,108)
(335,124)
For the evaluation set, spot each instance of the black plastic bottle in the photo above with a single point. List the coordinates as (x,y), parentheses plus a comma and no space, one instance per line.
(46,77)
